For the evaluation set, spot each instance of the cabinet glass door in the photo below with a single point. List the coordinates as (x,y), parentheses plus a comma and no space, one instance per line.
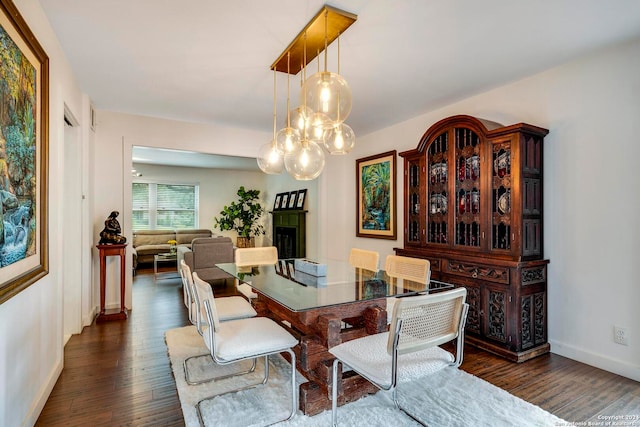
(415,225)
(467,197)
(501,196)
(437,172)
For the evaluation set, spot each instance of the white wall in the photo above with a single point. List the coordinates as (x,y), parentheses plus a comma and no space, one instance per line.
(592,236)
(31,341)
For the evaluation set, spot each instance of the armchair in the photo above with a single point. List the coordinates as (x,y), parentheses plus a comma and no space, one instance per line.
(206,253)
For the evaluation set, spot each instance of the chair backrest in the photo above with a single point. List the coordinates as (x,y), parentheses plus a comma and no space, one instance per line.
(205,293)
(401,267)
(256,256)
(187,287)
(424,321)
(361,258)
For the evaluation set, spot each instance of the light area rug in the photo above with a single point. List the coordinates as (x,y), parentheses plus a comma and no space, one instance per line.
(448,397)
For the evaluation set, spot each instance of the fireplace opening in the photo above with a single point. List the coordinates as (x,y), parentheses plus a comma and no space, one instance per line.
(289,233)
(285,242)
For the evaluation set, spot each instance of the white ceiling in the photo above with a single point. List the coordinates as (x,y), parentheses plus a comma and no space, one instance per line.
(208,61)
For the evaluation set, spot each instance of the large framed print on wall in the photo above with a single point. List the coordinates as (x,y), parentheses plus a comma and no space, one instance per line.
(24,128)
(376,196)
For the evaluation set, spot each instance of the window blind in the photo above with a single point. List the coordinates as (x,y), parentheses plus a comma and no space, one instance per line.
(164,206)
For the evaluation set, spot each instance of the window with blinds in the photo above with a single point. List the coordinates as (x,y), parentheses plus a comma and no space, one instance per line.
(164,206)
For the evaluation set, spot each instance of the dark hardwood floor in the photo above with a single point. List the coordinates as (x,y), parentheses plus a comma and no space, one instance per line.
(118,374)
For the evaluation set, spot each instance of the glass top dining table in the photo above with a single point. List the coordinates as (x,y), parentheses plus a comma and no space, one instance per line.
(342,284)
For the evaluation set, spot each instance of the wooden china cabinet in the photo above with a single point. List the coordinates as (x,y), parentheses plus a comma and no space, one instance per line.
(473,208)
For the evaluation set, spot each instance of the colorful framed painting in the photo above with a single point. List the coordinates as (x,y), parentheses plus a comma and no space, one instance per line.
(376,196)
(24,129)
(292,200)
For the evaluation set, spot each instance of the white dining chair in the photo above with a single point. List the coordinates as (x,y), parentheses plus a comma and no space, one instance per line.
(243,339)
(229,308)
(418,323)
(365,259)
(187,296)
(267,255)
(249,257)
(406,268)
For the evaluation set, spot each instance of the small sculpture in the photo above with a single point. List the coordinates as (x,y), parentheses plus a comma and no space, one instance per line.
(111,232)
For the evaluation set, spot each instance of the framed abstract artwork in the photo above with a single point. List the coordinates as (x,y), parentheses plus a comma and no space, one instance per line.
(24,129)
(376,196)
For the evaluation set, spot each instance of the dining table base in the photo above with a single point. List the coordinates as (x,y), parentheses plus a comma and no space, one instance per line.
(318,330)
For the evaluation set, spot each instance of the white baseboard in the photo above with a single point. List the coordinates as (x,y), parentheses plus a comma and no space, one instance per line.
(45,391)
(87,320)
(606,363)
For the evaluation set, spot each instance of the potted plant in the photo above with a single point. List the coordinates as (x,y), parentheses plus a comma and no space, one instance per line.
(242,216)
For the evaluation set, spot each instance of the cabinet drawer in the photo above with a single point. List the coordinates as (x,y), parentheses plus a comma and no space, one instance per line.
(478,271)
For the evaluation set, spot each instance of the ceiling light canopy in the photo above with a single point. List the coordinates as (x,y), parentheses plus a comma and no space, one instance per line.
(319,122)
(317,31)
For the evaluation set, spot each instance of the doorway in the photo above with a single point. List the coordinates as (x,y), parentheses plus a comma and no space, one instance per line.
(72,242)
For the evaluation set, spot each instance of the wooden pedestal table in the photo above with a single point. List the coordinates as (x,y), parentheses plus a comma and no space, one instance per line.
(106,251)
(318,330)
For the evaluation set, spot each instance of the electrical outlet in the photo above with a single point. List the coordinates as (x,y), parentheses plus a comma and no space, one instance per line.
(620,335)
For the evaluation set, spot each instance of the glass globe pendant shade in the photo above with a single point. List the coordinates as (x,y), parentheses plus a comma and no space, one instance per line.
(330,94)
(300,118)
(340,139)
(270,160)
(318,125)
(287,139)
(305,162)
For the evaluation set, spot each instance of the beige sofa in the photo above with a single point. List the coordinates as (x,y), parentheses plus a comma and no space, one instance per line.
(205,253)
(147,243)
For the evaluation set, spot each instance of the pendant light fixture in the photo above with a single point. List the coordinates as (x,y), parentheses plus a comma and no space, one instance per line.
(340,138)
(327,92)
(270,160)
(304,118)
(318,122)
(326,101)
(306,161)
(288,138)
